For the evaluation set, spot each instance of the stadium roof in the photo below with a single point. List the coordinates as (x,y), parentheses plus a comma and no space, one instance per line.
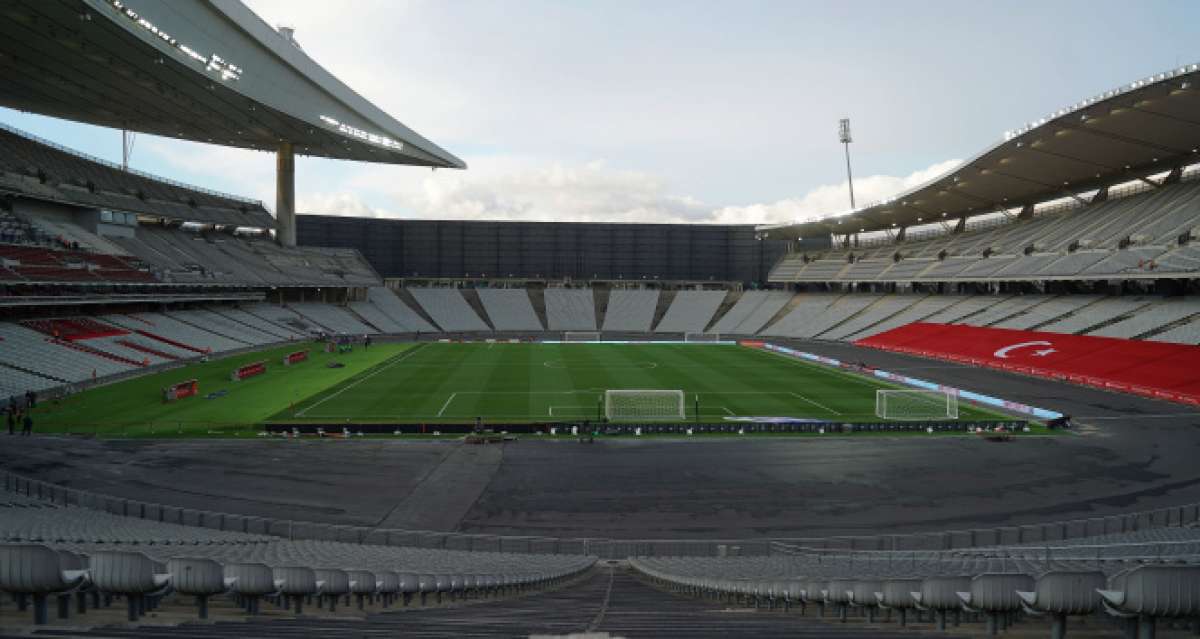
(1147,127)
(202,70)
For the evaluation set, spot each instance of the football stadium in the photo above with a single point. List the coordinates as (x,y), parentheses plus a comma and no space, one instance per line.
(968,409)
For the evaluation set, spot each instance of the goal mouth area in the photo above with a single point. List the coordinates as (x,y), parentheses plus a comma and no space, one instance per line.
(647,405)
(915,405)
(581,336)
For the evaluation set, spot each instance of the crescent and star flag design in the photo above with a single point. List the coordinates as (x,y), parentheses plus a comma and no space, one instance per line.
(1155,369)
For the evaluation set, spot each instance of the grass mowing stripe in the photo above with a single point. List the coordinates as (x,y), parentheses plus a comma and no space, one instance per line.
(364,377)
(452,382)
(970,410)
(136,407)
(725,386)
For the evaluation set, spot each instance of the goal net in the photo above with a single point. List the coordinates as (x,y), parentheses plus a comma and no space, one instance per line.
(915,404)
(644,405)
(701,337)
(581,336)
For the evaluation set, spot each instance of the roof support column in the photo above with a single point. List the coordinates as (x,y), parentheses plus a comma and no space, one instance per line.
(285,195)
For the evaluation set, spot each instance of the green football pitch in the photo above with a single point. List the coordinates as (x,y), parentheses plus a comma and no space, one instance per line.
(556,382)
(457,382)
(502,382)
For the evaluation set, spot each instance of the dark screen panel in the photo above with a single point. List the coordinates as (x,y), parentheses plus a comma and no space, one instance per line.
(549,250)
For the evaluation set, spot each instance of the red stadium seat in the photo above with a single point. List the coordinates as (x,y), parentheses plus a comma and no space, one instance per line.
(1153,369)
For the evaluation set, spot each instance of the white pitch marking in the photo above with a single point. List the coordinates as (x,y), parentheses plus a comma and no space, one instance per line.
(447,404)
(360,380)
(728,411)
(817,404)
(570,411)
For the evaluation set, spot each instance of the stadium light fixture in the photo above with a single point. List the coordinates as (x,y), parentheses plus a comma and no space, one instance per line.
(845,138)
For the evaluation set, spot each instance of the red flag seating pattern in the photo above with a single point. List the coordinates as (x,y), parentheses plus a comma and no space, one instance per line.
(1153,369)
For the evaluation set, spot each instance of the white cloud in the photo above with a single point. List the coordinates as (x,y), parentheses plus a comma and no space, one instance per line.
(509,187)
(341,204)
(694,103)
(828,199)
(514,188)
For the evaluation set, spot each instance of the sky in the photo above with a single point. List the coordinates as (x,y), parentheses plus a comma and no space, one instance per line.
(675,111)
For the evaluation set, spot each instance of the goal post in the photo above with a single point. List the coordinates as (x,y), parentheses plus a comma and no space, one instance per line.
(581,336)
(702,337)
(915,405)
(644,405)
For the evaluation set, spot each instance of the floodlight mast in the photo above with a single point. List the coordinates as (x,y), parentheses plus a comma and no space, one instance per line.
(845,139)
(127,139)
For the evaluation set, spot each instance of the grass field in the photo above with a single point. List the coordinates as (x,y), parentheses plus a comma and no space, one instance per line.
(555,382)
(134,407)
(448,383)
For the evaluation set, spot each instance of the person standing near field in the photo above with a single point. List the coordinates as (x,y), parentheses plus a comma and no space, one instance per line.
(12,420)
(28,425)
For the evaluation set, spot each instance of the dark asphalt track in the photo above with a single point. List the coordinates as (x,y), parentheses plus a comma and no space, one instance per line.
(1133,454)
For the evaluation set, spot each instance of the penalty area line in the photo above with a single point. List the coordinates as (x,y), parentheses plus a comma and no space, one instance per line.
(360,380)
(447,404)
(817,404)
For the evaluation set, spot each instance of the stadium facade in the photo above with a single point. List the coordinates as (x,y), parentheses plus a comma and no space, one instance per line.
(480,250)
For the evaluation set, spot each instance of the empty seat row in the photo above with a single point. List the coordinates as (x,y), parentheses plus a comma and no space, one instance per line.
(1138,596)
(690,312)
(510,309)
(630,310)
(570,309)
(333,318)
(398,311)
(449,309)
(1137,233)
(39,572)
